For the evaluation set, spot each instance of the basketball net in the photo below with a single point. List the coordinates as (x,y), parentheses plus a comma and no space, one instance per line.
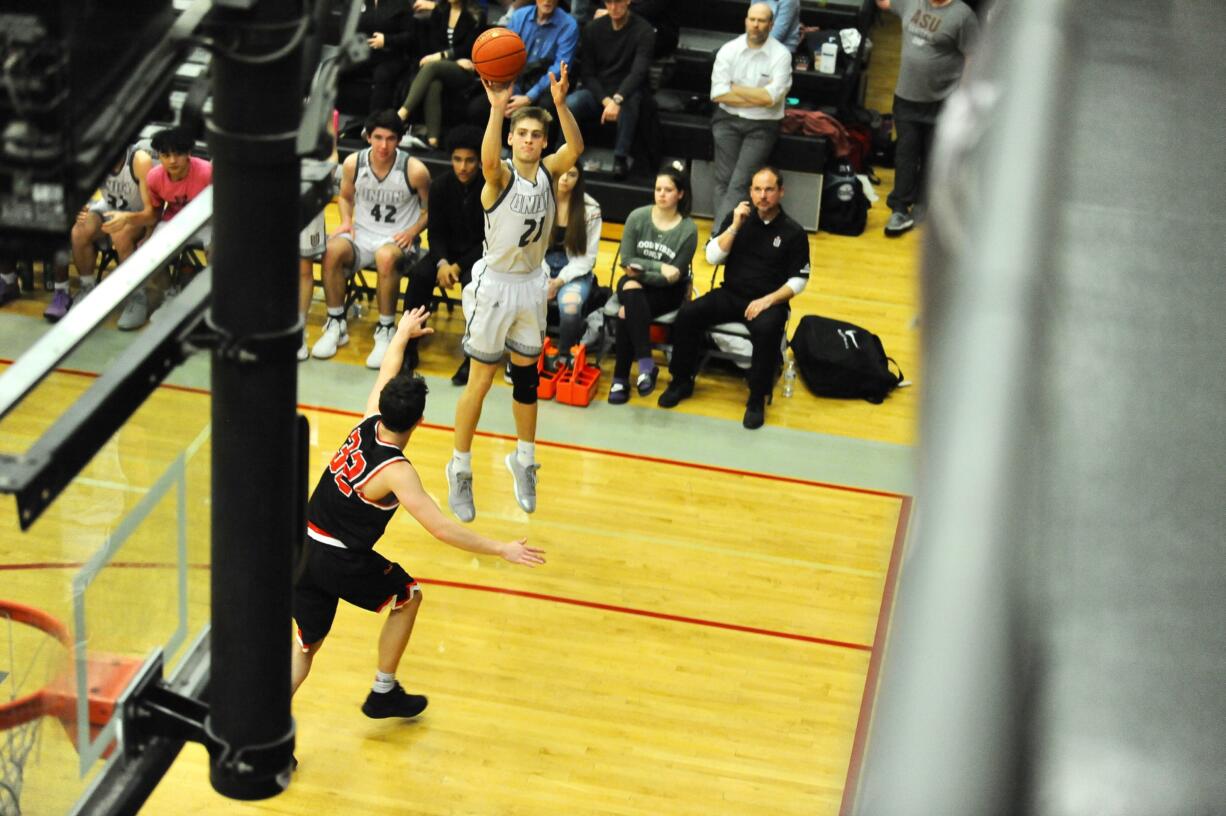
(15,746)
(21,716)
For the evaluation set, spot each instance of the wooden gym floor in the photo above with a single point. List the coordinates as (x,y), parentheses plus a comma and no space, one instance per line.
(704,637)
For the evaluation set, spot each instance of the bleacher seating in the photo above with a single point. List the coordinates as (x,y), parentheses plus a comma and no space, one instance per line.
(729,15)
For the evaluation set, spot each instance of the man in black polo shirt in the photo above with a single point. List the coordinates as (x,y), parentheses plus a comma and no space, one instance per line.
(455,235)
(766,263)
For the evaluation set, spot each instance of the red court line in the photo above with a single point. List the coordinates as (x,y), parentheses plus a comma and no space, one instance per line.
(883,618)
(864,721)
(536,596)
(647,613)
(659,460)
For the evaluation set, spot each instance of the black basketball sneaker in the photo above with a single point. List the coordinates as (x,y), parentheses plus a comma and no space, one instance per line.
(395,703)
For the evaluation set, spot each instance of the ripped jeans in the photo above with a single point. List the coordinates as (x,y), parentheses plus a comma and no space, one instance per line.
(570,300)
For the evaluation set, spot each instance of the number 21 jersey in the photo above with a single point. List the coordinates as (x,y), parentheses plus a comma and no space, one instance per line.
(339,513)
(518,226)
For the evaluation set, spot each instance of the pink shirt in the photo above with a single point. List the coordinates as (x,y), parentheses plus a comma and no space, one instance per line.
(176,194)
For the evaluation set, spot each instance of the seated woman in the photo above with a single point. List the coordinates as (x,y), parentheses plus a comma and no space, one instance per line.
(657,252)
(447,66)
(571,257)
(389,29)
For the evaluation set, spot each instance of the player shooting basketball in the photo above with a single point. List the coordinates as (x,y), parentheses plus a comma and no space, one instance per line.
(504,304)
(357,495)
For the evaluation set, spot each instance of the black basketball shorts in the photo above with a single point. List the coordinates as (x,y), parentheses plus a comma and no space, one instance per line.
(362,577)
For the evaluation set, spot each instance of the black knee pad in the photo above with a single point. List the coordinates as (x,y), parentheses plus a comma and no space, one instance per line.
(524,380)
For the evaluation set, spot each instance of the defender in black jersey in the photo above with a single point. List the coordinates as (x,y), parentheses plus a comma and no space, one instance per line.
(356,497)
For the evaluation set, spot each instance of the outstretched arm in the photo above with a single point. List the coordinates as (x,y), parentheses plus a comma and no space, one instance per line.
(411,325)
(496,174)
(407,486)
(568,154)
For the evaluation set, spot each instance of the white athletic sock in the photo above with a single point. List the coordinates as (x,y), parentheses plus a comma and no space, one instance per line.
(336,311)
(462,462)
(61,286)
(383,682)
(525,452)
(88,280)
(387,320)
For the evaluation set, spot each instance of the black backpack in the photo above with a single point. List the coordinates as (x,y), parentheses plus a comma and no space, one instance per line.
(838,359)
(844,204)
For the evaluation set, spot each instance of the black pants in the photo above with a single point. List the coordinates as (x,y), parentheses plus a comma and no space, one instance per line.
(915,123)
(724,306)
(642,305)
(387,75)
(423,277)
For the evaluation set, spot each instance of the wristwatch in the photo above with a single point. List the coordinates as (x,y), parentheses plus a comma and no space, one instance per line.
(618,99)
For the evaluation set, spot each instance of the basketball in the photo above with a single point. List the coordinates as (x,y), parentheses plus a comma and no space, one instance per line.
(499,55)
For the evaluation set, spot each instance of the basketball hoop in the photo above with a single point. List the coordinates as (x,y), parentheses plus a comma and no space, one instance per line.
(21,715)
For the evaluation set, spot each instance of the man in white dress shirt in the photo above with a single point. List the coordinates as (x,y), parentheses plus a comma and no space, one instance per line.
(750,82)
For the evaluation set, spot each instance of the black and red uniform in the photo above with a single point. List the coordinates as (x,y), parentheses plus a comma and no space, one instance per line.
(343,526)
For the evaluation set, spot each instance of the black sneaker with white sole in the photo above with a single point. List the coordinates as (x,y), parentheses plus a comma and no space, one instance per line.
(394,703)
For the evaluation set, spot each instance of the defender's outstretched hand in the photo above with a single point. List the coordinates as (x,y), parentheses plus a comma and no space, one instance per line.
(518,552)
(413,323)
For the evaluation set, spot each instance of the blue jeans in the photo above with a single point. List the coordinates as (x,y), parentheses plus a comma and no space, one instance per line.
(587,110)
(570,299)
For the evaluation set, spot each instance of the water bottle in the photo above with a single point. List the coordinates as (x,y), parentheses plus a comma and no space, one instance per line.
(789,376)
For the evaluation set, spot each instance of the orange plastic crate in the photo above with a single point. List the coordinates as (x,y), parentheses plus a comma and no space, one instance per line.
(547,382)
(578,385)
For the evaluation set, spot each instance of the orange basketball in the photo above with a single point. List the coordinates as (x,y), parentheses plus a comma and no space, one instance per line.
(499,55)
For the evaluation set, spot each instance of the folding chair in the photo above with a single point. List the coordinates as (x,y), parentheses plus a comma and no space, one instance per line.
(739,329)
(661,325)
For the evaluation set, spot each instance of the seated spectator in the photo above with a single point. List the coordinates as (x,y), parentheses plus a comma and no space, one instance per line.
(571,257)
(448,37)
(661,14)
(786,28)
(312,242)
(457,230)
(657,256)
(614,55)
(552,38)
(120,191)
(389,29)
(9,288)
(766,263)
(177,179)
(383,202)
(750,81)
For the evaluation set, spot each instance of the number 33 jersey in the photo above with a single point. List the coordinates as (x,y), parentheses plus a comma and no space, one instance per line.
(384,206)
(518,226)
(340,514)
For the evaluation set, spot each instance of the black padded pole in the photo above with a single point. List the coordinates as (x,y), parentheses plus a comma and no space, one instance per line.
(257,103)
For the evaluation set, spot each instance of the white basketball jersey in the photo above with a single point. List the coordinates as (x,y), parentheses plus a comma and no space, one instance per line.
(518,226)
(384,206)
(121,190)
